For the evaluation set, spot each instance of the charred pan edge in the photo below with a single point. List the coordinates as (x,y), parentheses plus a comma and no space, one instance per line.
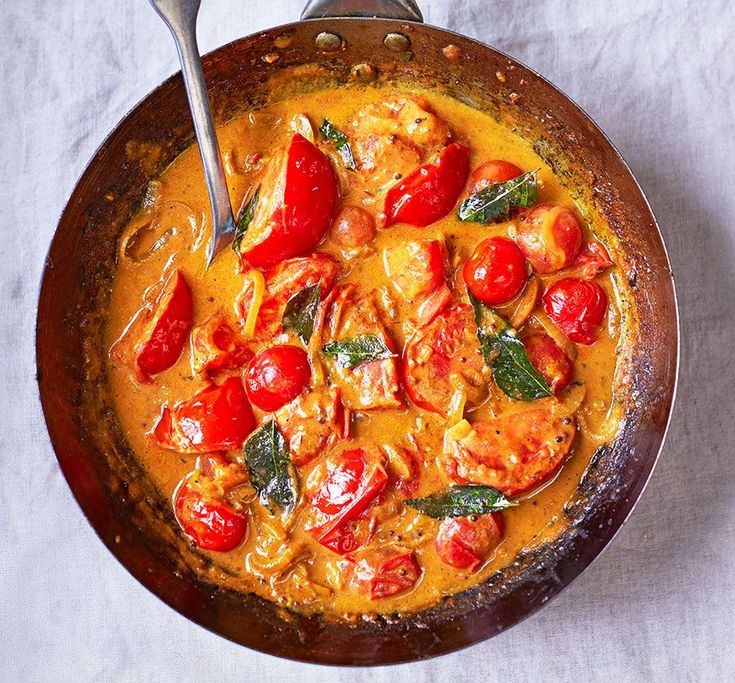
(129,514)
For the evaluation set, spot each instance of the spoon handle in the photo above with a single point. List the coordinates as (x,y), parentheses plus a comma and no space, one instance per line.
(180,16)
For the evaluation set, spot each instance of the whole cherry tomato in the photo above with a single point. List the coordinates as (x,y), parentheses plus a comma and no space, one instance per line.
(550,237)
(352,227)
(298,196)
(577,307)
(276,376)
(491,173)
(201,507)
(431,191)
(386,572)
(465,543)
(550,360)
(496,271)
(218,418)
(352,482)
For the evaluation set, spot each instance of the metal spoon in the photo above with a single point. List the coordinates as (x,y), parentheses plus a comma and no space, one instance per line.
(181,16)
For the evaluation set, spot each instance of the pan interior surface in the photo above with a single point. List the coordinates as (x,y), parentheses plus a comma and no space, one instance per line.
(127,511)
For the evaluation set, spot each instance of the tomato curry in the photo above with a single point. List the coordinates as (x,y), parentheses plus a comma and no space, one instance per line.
(396,377)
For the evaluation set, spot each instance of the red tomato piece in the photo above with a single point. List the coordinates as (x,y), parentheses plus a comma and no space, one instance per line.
(550,237)
(352,227)
(434,304)
(215,348)
(550,360)
(218,418)
(415,267)
(496,271)
(447,346)
(577,307)
(282,282)
(491,173)
(593,260)
(296,213)
(201,510)
(431,191)
(153,340)
(465,543)
(513,453)
(386,572)
(276,376)
(351,484)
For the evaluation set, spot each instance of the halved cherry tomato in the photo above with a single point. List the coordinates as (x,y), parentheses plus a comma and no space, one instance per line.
(577,307)
(553,364)
(465,543)
(215,348)
(386,572)
(513,453)
(496,271)
(491,173)
(295,210)
(218,418)
(352,482)
(352,227)
(153,340)
(205,517)
(550,237)
(431,191)
(444,348)
(277,376)
(415,267)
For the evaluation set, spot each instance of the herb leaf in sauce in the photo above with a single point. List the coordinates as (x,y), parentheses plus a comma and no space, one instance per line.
(353,352)
(496,202)
(341,143)
(506,356)
(461,501)
(245,219)
(269,464)
(300,312)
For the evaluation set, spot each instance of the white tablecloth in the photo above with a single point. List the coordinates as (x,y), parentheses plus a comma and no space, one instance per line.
(659,77)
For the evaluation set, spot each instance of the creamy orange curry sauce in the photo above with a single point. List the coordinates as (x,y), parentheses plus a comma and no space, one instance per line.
(394,380)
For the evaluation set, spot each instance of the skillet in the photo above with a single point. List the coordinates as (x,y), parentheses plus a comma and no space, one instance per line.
(340,41)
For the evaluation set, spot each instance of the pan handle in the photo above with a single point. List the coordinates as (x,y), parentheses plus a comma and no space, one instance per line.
(405,10)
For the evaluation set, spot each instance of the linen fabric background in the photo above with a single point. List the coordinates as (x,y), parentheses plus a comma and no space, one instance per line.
(658,76)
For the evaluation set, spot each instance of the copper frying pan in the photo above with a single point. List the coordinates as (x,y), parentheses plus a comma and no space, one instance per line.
(123,507)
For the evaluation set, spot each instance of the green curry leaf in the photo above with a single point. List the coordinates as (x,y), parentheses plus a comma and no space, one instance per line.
(341,143)
(506,355)
(350,353)
(300,312)
(496,202)
(461,501)
(245,219)
(269,464)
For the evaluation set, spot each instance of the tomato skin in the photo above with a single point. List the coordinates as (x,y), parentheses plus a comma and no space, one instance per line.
(431,191)
(550,360)
(415,267)
(490,173)
(550,237)
(350,486)
(302,216)
(496,271)
(465,543)
(218,418)
(577,307)
(212,525)
(276,376)
(352,227)
(215,348)
(386,572)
